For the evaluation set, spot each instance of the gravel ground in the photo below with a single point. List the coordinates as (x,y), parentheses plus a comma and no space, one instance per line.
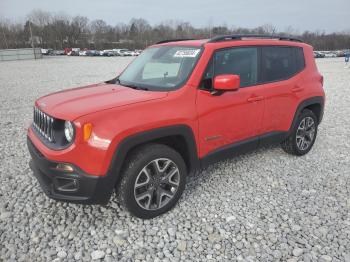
(263,206)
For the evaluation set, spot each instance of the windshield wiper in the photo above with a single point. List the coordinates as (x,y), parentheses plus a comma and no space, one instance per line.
(118,82)
(113,81)
(134,86)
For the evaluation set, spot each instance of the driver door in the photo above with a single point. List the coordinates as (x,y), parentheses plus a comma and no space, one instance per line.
(230,117)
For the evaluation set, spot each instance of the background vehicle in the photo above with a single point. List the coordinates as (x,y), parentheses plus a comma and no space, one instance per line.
(48,51)
(318,55)
(172,111)
(73,53)
(138,52)
(330,54)
(92,53)
(121,52)
(108,53)
(58,52)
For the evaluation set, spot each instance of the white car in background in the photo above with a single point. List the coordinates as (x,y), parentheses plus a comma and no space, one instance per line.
(121,52)
(331,54)
(107,52)
(82,53)
(138,52)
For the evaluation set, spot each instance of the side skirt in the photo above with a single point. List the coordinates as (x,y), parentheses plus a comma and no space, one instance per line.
(242,147)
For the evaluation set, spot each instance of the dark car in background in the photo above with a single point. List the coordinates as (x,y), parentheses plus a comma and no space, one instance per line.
(319,54)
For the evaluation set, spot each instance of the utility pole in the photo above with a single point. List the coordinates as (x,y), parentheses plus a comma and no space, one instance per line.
(31,38)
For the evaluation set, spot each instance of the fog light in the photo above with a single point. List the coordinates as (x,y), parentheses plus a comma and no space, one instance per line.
(66,184)
(64,167)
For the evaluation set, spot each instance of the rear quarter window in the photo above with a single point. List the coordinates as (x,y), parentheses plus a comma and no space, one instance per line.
(300,60)
(280,62)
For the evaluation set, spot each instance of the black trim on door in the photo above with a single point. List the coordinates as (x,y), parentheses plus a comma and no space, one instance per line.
(242,147)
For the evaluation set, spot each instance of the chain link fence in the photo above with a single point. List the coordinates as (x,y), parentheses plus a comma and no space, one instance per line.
(20,54)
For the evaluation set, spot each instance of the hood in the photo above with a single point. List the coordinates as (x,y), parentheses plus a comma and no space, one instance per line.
(73,103)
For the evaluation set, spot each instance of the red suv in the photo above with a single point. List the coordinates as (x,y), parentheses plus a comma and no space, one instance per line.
(179,106)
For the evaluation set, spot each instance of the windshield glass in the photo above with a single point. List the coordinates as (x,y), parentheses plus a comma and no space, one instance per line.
(160,68)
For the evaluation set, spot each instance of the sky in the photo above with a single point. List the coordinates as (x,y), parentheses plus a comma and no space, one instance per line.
(313,15)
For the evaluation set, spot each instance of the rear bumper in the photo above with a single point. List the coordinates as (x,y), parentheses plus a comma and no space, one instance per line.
(75,186)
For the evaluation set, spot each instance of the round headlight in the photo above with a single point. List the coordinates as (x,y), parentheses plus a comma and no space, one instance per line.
(68,131)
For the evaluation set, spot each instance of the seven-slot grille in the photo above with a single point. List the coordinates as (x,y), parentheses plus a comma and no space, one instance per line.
(43,124)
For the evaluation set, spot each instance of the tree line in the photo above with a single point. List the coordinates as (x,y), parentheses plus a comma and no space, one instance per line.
(58,31)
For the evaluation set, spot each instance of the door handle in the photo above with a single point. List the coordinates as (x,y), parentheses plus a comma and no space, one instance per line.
(255,98)
(297,89)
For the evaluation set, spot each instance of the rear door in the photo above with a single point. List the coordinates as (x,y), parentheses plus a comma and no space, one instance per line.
(280,85)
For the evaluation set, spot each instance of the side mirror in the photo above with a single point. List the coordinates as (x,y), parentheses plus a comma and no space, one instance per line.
(227,82)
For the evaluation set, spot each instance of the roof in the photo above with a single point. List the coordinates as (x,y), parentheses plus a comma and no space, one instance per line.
(226,38)
(184,42)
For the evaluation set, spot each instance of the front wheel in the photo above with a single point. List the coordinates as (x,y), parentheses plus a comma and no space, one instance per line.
(303,136)
(153,180)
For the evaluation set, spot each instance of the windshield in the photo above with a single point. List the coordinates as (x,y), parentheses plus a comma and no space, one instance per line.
(160,68)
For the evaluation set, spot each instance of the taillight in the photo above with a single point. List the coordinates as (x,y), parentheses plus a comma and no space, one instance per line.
(321,80)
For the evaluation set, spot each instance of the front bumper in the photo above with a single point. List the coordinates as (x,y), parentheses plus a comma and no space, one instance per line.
(75,186)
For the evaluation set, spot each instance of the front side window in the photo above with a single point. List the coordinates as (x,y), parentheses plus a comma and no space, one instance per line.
(238,61)
(161,68)
(234,61)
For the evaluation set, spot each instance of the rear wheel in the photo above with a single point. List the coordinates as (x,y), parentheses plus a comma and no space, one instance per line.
(303,137)
(153,180)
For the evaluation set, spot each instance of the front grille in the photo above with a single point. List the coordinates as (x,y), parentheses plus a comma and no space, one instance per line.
(43,124)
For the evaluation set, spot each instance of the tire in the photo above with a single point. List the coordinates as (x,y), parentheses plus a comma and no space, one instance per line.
(294,144)
(145,189)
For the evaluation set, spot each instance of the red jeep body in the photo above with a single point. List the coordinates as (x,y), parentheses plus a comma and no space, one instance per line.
(203,126)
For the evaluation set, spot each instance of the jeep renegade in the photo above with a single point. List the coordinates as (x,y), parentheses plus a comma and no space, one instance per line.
(182,104)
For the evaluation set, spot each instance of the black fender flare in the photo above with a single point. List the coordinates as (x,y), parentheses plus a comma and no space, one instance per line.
(305,103)
(127,144)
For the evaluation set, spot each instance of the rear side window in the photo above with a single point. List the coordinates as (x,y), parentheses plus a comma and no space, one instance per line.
(279,62)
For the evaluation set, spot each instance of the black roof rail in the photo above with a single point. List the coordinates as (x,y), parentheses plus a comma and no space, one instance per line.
(174,40)
(240,37)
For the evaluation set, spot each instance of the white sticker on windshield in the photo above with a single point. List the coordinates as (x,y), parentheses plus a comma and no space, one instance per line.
(187,53)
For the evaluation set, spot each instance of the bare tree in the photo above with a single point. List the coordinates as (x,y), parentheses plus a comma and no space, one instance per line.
(60,31)
(79,30)
(40,19)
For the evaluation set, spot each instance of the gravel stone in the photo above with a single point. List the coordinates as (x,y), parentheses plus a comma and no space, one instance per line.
(171,232)
(215,237)
(325,258)
(181,246)
(347,257)
(61,254)
(230,218)
(297,252)
(97,254)
(261,206)
(77,256)
(5,215)
(118,241)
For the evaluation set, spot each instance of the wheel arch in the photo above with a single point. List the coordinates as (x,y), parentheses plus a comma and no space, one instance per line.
(315,104)
(179,137)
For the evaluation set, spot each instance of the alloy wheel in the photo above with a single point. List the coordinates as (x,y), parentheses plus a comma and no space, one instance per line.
(305,133)
(156,184)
